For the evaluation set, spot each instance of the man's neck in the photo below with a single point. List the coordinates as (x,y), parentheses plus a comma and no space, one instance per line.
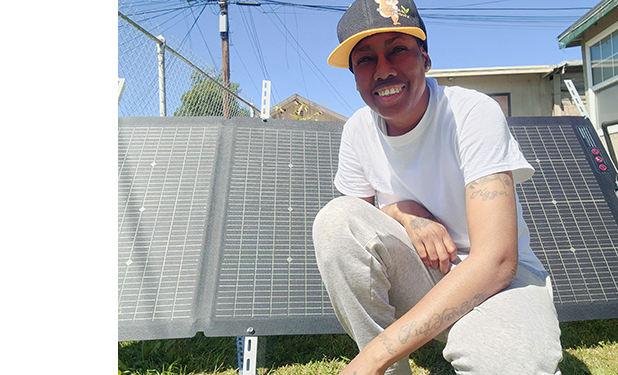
(396,127)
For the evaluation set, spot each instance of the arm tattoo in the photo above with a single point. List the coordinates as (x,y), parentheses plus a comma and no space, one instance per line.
(387,342)
(477,190)
(449,315)
(418,222)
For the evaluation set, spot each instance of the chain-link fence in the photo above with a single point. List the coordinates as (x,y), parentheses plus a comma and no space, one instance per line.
(155,80)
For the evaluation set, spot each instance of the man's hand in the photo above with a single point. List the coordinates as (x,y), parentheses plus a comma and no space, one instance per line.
(430,238)
(362,366)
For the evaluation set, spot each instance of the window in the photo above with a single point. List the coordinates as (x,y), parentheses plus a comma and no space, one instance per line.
(505,102)
(601,56)
(604,58)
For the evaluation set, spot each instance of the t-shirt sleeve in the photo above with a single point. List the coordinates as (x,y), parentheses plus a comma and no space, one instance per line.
(486,145)
(350,178)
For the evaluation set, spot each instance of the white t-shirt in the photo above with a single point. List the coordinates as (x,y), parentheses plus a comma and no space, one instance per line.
(462,137)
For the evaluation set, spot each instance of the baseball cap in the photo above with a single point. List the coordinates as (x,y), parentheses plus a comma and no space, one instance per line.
(368,17)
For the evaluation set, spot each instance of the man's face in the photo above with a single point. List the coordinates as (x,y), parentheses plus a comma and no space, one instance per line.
(389,69)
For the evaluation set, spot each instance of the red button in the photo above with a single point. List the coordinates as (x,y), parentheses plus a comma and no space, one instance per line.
(595,151)
(599,159)
(603,167)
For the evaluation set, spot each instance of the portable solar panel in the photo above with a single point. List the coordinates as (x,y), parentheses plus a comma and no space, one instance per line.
(215,216)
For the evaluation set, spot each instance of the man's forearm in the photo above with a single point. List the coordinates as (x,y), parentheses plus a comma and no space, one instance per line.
(446,303)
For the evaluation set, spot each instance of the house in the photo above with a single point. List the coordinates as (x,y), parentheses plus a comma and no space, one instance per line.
(298,108)
(537,90)
(596,32)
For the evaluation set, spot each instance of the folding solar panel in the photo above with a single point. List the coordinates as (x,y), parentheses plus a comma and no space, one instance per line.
(215,216)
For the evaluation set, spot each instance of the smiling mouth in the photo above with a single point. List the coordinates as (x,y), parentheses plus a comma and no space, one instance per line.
(389,91)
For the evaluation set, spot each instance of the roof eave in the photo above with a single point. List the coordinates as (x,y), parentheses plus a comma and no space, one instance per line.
(572,36)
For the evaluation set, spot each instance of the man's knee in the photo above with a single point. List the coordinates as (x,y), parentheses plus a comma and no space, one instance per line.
(503,349)
(337,210)
(337,218)
(514,332)
(342,228)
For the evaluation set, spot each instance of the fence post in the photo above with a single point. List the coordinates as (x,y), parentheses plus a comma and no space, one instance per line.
(161,58)
(265,113)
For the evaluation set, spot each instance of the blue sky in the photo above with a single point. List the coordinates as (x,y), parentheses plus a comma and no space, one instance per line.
(289,45)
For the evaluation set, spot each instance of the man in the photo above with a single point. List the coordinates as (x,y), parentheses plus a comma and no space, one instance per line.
(446,255)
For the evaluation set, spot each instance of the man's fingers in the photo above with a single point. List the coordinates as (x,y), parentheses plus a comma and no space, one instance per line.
(435,256)
(434,245)
(450,248)
(422,253)
(444,258)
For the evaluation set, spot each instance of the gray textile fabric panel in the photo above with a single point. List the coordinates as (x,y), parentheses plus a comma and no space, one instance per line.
(572,212)
(214,223)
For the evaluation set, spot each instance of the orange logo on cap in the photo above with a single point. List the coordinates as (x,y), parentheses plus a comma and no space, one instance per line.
(388,8)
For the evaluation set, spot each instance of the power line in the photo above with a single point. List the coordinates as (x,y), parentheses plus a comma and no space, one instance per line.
(321,75)
(214,63)
(343,8)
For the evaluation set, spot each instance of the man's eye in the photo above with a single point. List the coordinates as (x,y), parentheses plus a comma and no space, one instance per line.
(398,49)
(362,60)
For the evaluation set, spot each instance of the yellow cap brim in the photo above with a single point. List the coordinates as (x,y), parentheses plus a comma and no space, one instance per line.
(340,57)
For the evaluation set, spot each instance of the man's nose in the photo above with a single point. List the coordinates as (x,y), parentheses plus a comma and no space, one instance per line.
(384,69)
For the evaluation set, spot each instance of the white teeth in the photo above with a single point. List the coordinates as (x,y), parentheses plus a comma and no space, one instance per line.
(392,91)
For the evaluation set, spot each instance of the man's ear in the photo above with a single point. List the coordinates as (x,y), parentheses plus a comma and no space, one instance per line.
(426,59)
(350,63)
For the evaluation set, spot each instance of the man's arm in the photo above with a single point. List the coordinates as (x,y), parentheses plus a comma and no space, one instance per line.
(429,237)
(490,267)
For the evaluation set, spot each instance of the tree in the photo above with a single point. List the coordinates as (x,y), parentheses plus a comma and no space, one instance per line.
(205,98)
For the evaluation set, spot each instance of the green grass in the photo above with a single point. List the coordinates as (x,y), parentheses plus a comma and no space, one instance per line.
(590,347)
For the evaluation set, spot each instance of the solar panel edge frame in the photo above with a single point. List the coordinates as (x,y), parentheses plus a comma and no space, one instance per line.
(581,311)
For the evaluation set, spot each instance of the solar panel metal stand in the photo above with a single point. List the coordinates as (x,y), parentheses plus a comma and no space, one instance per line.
(247,347)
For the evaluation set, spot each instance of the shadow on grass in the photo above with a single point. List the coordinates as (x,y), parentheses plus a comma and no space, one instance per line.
(290,350)
(430,358)
(585,335)
(177,356)
(571,365)
(588,333)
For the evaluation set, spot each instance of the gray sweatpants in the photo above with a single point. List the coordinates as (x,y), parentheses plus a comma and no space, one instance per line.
(374,275)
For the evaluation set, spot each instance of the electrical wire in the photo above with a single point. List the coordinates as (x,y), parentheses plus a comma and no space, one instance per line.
(255,43)
(300,63)
(315,68)
(214,63)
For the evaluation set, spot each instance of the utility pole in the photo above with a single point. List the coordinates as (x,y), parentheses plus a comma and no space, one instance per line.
(225,49)
(225,56)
